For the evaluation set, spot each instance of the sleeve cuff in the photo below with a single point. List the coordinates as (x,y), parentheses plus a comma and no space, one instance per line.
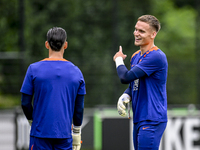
(119,61)
(76,129)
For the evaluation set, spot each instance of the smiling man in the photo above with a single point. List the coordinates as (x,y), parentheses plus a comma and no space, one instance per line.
(147,85)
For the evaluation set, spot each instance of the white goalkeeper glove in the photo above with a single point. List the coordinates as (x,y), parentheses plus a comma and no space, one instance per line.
(76,135)
(122,102)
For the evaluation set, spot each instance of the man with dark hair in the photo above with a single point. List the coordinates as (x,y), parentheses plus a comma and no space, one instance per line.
(58,88)
(147,85)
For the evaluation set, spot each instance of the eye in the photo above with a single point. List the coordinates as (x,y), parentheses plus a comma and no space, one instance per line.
(142,31)
(136,30)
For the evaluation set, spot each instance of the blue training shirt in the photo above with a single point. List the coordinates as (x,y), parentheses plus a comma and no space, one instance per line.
(149,96)
(55,84)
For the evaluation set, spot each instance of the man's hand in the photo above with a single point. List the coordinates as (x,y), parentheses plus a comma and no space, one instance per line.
(76,135)
(123,100)
(119,54)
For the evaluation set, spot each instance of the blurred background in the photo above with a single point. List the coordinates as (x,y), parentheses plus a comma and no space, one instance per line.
(95,29)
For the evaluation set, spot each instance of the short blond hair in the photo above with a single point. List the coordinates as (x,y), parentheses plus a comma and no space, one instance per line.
(151,20)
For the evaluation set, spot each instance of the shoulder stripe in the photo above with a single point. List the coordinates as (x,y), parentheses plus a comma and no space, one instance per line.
(152,49)
(155,48)
(135,53)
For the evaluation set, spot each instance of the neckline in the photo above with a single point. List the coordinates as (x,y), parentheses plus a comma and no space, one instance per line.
(151,49)
(54,59)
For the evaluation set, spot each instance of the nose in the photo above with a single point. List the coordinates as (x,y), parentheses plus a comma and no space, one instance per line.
(135,32)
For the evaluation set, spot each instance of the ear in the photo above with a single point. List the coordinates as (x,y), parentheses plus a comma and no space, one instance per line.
(153,35)
(47,44)
(65,45)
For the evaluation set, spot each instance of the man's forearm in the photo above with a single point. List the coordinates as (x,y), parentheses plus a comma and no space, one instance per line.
(78,110)
(27,106)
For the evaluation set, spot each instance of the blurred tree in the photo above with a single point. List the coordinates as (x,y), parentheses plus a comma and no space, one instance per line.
(197,49)
(177,40)
(183,3)
(9,25)
(95,29)
(9,62)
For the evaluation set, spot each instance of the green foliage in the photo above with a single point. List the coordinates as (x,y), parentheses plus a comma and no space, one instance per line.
(8,25)
(177,39)
(95,30)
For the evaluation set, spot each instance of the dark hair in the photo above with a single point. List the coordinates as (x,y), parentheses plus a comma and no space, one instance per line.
(56,37)
(151,20)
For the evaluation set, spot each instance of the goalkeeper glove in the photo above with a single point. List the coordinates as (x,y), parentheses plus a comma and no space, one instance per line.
(76,135)
(123,100)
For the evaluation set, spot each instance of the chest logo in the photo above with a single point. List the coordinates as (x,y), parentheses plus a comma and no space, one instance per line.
(136,84)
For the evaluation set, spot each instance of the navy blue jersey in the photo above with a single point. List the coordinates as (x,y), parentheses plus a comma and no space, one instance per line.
(55,84)
(149,97)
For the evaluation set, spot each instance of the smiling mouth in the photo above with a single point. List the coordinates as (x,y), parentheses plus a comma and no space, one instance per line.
(136,39)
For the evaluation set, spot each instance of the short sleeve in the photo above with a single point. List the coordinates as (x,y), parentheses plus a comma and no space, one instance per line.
(27,86)
(82,89)
(151,62)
